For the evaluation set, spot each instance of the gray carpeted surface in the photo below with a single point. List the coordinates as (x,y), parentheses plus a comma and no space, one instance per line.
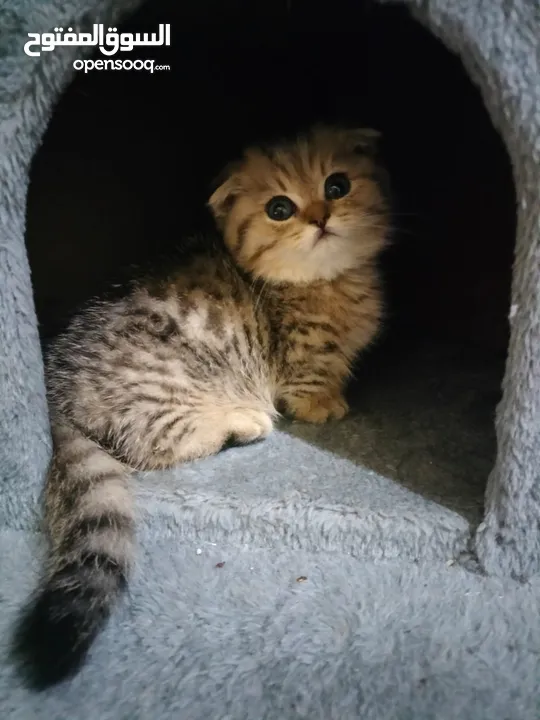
(402,476)
(377,640)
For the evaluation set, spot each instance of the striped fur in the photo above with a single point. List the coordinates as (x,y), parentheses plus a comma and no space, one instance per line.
(190,360)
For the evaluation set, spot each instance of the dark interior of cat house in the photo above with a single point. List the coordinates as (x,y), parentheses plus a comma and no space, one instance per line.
(127,161)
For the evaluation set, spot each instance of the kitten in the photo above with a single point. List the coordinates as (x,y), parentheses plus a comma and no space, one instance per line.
(203,355)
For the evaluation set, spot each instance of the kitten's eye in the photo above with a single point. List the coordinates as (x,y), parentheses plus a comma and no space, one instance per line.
(280,208)
(336,186)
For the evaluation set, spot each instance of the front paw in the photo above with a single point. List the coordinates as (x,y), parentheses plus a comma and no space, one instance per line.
(318,408)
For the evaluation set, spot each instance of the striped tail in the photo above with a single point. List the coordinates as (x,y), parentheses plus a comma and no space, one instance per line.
(90,519)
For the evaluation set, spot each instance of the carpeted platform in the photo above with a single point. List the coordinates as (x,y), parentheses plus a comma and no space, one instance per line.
(377,640)
(400,477)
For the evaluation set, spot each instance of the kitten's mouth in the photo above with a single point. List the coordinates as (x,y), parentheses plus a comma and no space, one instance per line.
(323,235)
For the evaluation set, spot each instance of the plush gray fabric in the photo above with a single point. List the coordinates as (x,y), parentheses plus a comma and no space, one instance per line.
(358,639)
(24,441)
(499,43)
(354,506)
(29,87)
(401,477)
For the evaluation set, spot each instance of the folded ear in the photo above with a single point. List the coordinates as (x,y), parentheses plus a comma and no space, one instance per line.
(228,188)
(358,141)
(363,141)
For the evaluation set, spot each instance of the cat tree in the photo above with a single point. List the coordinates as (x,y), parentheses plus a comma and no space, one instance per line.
(498,42)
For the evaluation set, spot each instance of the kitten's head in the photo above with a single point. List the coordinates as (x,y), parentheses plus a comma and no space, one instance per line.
(306,211)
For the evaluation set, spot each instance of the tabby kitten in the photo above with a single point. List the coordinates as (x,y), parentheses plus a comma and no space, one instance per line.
(204,354)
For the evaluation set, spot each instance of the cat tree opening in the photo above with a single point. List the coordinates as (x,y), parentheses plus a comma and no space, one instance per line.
(124,171)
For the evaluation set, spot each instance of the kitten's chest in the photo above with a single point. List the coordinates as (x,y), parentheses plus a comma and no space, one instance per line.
(337,310)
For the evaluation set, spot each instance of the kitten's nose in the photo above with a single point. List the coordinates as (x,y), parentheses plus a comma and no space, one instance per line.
(317,214)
